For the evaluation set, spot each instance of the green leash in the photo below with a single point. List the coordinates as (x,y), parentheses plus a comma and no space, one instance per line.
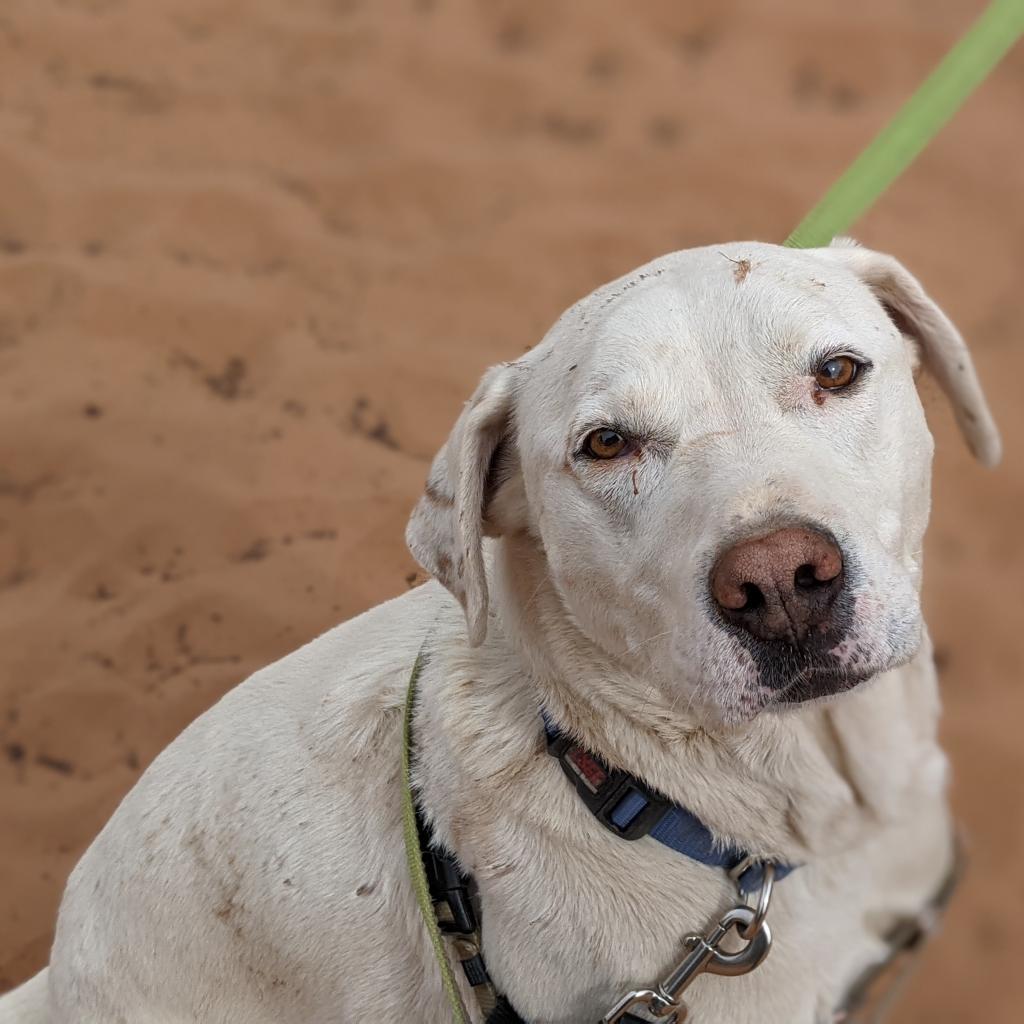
(878,166)
(900,141)
(413,855)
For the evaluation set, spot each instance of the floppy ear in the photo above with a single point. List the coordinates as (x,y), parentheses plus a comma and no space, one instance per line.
(943,350)
(445,532)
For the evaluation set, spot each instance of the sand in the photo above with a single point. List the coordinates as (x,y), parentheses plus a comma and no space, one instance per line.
(253,257)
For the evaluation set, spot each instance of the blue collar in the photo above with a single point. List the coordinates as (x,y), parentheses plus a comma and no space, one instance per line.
(627,807)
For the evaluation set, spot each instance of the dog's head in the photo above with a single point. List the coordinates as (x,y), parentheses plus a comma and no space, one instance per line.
(723,462)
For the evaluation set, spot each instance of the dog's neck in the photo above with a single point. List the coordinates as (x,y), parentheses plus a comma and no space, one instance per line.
(793,784)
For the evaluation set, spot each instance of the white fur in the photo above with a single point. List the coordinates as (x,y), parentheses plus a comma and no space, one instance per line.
(256,873)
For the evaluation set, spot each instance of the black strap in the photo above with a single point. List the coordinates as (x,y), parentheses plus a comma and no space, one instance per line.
(450,890)
(453,894)
(504,1013)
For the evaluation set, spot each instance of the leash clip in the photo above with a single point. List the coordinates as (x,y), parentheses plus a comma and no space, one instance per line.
(705,957)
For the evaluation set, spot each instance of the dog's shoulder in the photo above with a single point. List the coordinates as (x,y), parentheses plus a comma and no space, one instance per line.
(369,652)
(324,719)
(342,692)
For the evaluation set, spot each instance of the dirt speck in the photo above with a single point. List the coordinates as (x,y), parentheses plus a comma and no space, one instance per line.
(363,423)
(321,533)
(697,43)
(807,82)
(741,269)
(573,128)
(501,870)
(604,65)
(225,909)
(228,383)
(843,97)
(138,96)
(514,37)
(55,764)
(665,131)
(256,551)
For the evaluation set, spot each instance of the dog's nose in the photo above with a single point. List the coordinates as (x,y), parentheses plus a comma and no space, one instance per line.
(781,586)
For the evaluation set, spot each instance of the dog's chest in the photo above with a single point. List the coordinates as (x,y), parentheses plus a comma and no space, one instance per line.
(575,916)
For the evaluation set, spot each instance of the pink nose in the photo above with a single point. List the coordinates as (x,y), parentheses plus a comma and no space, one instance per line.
(781,586)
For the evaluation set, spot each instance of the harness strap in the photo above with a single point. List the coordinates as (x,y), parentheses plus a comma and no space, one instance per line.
(504,1013)
(417,872)
(453,895)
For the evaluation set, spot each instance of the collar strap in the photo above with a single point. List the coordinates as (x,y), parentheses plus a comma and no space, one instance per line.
(631,810)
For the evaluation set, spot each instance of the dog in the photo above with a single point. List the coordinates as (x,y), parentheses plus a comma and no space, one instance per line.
(687,529)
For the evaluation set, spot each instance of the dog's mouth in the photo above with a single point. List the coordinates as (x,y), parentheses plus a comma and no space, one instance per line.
(794,677)
(790,678)
(813,682)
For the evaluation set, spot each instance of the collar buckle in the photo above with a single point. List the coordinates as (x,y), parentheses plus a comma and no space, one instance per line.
(623,804)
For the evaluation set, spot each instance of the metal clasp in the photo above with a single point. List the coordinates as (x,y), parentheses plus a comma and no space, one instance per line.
(705,957)
(764,898)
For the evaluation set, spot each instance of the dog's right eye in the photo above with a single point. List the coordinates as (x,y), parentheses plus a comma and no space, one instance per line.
(604,443)
(837,372)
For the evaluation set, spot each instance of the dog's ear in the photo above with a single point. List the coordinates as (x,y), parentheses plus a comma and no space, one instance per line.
(445,532)
(943,350)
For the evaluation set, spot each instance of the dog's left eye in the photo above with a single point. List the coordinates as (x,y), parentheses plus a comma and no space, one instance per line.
(837,372)
(604,443)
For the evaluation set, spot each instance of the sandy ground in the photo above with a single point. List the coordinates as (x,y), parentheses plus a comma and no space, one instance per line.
(253,256)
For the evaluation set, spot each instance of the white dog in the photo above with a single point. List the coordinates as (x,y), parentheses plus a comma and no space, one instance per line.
(707,490)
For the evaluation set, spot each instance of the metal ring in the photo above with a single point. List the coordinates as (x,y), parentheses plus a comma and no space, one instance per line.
(750,956)
(764,899)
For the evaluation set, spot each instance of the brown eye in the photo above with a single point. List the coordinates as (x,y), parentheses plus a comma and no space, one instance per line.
(837,372)
(604,444)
